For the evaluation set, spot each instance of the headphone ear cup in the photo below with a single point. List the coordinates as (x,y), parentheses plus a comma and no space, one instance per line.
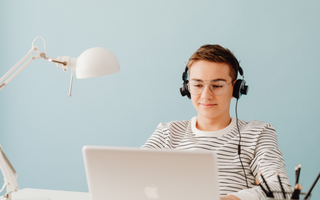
(184,90)
(236,89)
(188,93)
(240,88)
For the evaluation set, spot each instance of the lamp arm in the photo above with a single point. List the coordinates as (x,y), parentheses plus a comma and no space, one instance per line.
(31,51)
(56,61)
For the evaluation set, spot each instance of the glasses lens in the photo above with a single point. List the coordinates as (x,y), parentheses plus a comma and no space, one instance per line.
(196,87)
(218,87)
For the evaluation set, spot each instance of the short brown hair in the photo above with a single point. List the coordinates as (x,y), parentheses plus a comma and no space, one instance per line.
(216,53)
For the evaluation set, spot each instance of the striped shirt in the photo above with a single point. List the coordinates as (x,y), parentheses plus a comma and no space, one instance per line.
(259,152)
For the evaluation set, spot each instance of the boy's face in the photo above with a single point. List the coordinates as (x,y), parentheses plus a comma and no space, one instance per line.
(209,105)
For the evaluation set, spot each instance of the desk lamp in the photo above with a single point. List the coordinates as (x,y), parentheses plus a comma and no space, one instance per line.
(91,63)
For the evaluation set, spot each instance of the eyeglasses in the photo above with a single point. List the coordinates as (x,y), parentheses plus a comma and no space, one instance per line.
(218,88)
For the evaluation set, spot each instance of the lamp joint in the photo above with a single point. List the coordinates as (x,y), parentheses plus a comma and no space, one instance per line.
(7,196)
(2,85)
(43,55)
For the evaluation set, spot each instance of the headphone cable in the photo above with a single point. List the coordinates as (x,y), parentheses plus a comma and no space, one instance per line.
(239,146)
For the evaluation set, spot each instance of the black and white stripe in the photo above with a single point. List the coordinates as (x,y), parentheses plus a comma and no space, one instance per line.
(259,152)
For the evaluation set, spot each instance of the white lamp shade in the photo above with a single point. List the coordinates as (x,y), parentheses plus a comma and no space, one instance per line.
(95,62)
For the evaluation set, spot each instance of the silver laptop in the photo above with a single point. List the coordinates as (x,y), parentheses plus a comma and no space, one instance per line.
(118,173)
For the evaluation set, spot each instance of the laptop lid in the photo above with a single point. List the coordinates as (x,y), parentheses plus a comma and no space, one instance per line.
(118,173)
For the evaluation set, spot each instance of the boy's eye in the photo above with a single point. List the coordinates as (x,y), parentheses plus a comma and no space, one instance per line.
(217,86)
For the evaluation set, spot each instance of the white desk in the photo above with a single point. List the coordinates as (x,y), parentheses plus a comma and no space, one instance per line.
(36,194)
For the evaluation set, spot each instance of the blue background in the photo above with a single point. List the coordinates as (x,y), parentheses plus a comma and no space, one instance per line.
(42,130)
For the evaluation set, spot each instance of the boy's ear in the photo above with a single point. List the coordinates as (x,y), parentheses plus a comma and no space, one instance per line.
(234,82)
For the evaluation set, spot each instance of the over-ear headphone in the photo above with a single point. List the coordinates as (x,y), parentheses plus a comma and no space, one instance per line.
(184,89)
(239,88)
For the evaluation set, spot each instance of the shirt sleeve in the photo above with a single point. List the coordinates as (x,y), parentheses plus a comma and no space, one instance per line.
(267,159)
(157,140)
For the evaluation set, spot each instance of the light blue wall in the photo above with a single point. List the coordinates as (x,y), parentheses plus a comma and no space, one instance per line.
(42,130)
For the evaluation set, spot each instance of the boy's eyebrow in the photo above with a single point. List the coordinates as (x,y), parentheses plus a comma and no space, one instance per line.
(218,79)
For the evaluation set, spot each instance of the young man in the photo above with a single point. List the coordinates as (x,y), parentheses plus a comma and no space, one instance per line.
(211,82)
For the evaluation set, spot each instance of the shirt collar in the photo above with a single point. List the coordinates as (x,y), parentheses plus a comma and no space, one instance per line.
(218,133)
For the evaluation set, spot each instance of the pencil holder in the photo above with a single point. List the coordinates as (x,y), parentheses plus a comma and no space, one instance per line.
(288,194)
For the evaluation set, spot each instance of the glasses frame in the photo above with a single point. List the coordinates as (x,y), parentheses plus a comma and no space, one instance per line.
(210,87)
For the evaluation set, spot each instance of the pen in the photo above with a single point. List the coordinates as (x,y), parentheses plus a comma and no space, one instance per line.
(300,188)
(283,192)
(270,192)
(296,192)
(298,173)
(264,190)
(314,183)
